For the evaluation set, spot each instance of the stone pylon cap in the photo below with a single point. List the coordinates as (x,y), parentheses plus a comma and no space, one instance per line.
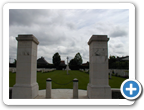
(27,37)
(98,38)
(48,79)
(75,80)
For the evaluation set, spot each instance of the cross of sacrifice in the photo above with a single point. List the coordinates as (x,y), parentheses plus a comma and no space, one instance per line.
(67,65)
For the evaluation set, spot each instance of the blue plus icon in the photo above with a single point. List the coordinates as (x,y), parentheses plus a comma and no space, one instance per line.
(130,89)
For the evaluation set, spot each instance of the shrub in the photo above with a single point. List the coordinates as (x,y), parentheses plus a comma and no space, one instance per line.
(73,67)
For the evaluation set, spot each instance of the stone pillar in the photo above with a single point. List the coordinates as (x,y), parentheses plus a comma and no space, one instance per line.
(98,87)
(75,88)
(48,88)
(26,86)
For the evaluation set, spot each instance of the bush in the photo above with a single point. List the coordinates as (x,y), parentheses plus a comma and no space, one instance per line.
(125,77)
(60,67)
(113,74)
(73,67)
(84,67)
(46,66)
(12,65)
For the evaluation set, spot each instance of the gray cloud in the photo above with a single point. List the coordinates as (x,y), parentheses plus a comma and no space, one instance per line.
(119,46)
(68,31)
(119,32)
(24,17)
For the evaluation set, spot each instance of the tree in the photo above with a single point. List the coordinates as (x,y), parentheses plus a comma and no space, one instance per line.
(73,65)
(56,59)
(117,63)
(15,61)
(72,62)
(78,59)
(112,60)
(75,62)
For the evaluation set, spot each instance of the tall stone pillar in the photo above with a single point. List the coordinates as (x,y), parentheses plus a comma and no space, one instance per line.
(26,86)
(98,87)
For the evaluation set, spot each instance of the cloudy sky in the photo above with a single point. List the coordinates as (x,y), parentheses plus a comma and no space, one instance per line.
(68,31)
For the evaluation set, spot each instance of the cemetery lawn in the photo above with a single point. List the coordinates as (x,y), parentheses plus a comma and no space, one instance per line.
(61,77)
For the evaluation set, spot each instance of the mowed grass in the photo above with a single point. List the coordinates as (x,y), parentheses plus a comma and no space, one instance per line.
(61,77)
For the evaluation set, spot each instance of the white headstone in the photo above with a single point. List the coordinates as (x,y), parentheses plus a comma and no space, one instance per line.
(26,86)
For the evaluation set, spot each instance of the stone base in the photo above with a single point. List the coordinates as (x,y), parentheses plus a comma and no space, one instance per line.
(25,91)
(99,92)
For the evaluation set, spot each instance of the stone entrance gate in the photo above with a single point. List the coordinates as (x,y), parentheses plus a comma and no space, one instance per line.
(26,86)
(98,87)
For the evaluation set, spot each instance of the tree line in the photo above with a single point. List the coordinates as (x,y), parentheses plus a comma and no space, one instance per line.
(76,63)
(117,63)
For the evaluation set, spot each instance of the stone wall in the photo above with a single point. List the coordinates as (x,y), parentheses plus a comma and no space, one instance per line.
(13,69)
(45,70)
(116,94)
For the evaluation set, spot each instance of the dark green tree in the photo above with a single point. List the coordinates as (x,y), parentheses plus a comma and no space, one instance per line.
(72,62)
(78,59)
(112,60)
(15,61)
(75,63)
(56,59)
(117,63)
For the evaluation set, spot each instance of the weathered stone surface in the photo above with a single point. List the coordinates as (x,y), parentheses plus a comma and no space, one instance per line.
(98,38)
(98,87)
(26,86)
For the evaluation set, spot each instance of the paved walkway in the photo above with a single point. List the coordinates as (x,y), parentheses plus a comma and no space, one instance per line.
(62,94)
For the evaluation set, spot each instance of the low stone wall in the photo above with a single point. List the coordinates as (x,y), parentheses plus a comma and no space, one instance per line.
(13,70)
(116,94)
(45,70)
(120,72)
(84,70)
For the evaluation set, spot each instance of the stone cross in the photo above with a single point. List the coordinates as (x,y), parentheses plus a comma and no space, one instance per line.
(26,86)
(98,86)
(67,60)
(67,65)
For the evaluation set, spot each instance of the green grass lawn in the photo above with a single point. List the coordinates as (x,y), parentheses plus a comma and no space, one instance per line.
(61,77)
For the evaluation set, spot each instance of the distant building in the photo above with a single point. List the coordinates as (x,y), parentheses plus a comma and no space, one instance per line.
(126,58)
(62,63)
(42,61)
(85,64)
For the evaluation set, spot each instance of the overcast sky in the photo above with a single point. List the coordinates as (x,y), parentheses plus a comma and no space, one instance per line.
(68,31)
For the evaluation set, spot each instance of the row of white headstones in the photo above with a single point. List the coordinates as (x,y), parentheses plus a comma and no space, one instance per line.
(13,70)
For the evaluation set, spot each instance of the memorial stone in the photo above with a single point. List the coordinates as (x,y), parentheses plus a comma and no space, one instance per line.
(98,87)
(26,86)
